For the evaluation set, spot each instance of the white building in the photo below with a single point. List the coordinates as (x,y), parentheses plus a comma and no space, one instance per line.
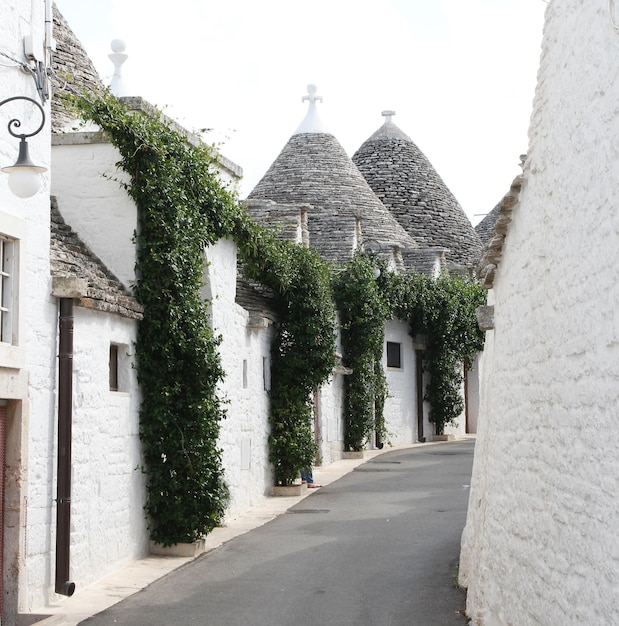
(541,543)
(73,502)
(29,312)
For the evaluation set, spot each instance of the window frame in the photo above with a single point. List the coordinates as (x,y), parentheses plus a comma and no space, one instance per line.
(8,300)
(113,367)
(389,354)
(13,230)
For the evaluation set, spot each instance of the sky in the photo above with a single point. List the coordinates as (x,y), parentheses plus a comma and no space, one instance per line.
(460,75)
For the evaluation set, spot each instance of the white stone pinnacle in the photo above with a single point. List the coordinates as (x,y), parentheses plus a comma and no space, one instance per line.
(312,122)
(117,86)
(388,115)
(312,97)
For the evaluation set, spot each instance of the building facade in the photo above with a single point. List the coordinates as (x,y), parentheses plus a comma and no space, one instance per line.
(28,311)
(540,544)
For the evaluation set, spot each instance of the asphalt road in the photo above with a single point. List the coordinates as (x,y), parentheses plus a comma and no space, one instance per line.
(378,547)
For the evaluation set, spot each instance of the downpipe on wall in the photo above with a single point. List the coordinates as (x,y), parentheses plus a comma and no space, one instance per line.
(64,585)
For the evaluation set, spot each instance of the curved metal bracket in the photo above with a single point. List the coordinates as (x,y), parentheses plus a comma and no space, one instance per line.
(15,123)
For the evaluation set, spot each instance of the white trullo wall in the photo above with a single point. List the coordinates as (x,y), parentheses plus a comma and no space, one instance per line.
(541,543)
(245,357)
(401,403)
(108,526)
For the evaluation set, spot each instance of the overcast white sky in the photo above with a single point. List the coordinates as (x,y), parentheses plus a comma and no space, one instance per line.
(460,75)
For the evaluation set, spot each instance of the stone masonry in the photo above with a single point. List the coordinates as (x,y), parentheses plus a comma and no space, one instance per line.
(541,543)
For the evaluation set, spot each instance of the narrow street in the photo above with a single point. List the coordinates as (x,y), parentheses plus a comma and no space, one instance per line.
(378,547)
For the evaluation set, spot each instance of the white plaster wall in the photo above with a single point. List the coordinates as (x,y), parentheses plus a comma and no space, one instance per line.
(92,201)
(401,403)
(540,546)
(472,390)
(29,385)
(330,400)
(108,522)
(244,433)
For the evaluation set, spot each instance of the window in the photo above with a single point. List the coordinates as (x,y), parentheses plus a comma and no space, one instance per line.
(8,300)
(394,354)
(113,367)
(14,231)
(266,373)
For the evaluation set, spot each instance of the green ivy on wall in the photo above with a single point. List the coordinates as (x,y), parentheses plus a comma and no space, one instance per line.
(182,207)
(443,310)
(303,351)
(363,312)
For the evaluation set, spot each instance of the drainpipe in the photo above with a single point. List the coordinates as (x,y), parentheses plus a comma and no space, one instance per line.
(66,289)
(419,385)
(65,417)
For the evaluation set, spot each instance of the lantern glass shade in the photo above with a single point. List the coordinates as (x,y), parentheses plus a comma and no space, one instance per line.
(24,182)
(24,177)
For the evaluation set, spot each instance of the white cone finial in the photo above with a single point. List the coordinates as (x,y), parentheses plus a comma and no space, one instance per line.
(312,122)
(388,115)
(117,86)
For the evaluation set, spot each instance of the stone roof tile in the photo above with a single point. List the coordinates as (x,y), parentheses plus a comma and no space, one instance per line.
(493,252)
(486,226)
(70,63)
(313,170)
(408,185)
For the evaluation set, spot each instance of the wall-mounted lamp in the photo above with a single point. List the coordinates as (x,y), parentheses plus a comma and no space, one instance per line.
(24,175)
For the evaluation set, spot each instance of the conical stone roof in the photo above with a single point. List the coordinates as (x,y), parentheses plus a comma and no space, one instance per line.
(407,184)
(314,171)
(71,64)
(485,228)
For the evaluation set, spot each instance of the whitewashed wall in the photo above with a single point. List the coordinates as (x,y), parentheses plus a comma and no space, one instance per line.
(244,351)
(401,404)
(540,545)
(473,391)
(93,201)
(108,490)
(27,384)
(329,404)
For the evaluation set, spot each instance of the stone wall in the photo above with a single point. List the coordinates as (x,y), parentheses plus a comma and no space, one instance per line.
(540,545)
(25,366)
(245,358)
(108,490)
(401,403)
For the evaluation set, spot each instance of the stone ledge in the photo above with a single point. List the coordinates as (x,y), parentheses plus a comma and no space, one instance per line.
(485,317)
(69,287)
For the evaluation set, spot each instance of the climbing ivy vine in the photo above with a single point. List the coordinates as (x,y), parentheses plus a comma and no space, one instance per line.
(181,208)
(303,351)
(363,312)
(443,310)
